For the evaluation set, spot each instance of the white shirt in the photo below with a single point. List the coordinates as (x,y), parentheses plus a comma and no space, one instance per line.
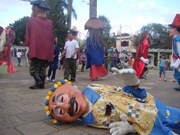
(70,47)
(19,54)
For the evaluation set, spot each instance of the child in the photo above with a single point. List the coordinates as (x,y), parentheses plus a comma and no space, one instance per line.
(19,54)
(162,67)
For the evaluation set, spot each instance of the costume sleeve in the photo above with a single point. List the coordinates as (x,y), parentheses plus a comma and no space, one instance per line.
(178,47)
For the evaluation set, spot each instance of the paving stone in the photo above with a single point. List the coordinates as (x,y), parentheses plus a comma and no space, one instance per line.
(29,101)
(10,104)
(10,131)
(92,130)
(9,98)
(10,121)
(38,128)
(22,109)
(10,111)
(72,131)
(32,108)
(33,116)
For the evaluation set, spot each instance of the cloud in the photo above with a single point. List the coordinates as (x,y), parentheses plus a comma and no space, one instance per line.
(119,1)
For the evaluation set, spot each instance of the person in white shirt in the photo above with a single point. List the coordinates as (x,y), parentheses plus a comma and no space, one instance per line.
(19,54)
(70,52)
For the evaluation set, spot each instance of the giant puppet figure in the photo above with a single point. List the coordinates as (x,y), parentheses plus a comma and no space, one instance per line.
(129,109)
(95,49)
(40,41)
(175,33)
(141,57)
(6,39)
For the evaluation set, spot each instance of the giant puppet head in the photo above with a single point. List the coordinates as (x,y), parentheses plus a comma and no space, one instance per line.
(65,103)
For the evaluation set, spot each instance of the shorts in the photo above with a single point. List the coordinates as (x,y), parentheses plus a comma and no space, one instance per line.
(19,59)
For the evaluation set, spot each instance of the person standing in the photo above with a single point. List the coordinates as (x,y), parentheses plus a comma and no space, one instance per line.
(95,49)
(174,30)
(19,54)
(162,67)
(141,57)
(115,58)
(40,40)
(83,58)
(53,65)
(70,52)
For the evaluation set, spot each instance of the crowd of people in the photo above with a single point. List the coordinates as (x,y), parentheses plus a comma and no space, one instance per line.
(92,56)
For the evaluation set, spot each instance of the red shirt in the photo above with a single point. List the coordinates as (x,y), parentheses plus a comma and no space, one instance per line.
(40,38)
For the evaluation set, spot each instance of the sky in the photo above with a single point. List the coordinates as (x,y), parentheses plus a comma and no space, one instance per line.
(124,15)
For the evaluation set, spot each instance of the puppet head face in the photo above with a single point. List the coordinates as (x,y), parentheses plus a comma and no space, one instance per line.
(66,103)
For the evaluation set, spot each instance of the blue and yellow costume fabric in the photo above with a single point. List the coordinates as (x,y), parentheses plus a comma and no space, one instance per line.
(147,114)
(95,54)
(175,56)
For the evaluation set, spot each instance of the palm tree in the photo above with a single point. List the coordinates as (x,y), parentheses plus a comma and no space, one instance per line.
(67,6)
(69,12)
(93,9)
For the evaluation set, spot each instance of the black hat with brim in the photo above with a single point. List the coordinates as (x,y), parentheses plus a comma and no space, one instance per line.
(41,4)
(173,26)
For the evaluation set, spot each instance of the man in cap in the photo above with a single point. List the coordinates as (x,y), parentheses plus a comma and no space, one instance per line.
(40,40)
(124,110)
(174,30)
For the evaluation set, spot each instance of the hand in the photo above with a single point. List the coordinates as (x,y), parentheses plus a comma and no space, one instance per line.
(175,64)
(121,128)
(144,60)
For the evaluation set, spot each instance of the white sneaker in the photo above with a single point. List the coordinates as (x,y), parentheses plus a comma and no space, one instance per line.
(47,78)
(53,80)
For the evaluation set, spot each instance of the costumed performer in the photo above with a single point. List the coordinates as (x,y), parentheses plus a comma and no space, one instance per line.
(7,38)
(175,61)
(141,57)
(40,40)
(95,49)
(102,106)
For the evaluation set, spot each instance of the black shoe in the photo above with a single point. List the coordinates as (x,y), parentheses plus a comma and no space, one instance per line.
(39,83)
(141,77)
(177,89)
(72,80)
(35,86)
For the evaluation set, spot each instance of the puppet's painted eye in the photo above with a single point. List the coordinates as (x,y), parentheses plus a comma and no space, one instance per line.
(59,111)
(61,99)
(53,99)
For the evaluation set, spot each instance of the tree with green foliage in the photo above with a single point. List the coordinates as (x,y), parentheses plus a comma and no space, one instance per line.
(56,14)
(19,27)
(159,36)
(109,41)
(60,19)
